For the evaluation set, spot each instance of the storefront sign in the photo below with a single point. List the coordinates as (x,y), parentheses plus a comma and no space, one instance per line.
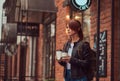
(81,4)
(31,29)
(102,53)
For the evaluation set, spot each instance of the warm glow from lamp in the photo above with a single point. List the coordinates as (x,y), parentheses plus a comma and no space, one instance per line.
(77,17)
(67,17)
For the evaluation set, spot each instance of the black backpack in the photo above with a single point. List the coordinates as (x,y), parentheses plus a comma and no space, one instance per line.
(90,69)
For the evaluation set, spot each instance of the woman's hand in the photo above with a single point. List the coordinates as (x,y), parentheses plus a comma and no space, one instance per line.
(66,59)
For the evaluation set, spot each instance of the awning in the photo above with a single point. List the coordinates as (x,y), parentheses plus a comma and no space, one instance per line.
(38,5)
(35,9)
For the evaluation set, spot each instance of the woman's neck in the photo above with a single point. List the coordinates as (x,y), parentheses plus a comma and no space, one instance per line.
(75,38)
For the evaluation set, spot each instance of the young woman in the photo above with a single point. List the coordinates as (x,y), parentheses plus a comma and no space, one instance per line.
(78,53)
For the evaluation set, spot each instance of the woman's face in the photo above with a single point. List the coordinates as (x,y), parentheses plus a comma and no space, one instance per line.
(70,32)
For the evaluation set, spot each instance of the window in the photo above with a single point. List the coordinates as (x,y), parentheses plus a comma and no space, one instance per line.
(49,51)
(84,18)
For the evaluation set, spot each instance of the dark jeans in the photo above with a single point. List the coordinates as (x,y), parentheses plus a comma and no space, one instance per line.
(68,77)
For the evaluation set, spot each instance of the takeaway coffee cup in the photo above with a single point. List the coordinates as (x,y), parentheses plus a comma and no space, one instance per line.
(58,55)
(64,54)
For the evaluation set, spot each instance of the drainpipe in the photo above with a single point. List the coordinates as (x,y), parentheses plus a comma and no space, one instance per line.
(112,42)
(98,33)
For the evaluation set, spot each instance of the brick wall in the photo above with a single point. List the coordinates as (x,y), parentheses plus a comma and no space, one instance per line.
(60,36)
(105,24)
(39,57)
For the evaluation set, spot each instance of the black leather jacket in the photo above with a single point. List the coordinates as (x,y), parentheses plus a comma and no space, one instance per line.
(79,58)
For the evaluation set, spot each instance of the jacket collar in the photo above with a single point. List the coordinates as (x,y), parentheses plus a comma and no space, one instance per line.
(75,43)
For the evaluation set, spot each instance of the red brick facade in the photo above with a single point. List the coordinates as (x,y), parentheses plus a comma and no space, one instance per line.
(60,35)
(105,24)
